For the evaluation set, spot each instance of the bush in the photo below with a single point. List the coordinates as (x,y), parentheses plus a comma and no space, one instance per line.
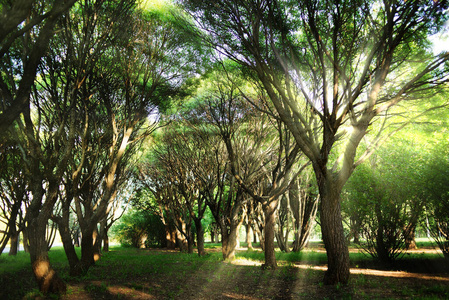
(383,206)
(140,229)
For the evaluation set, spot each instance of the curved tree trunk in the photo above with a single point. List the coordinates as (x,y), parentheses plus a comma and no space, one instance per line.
(182,241)
(69,248)
(87,252)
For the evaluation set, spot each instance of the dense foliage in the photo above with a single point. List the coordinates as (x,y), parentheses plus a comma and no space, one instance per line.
(195,118)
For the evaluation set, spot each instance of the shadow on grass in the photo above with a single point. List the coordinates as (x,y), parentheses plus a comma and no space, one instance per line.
(160,274)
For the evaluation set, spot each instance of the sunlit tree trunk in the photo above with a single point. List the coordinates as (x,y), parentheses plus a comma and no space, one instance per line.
(47,279)
(332,232)
(229,241)
(270,221)
(182,241)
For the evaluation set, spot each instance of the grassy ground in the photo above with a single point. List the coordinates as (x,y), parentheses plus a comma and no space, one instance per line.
(126,273)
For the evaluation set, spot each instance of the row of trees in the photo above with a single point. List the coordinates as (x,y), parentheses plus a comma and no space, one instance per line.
(225,155)
(307,81)
(68,156)
(331,70)
(399,189)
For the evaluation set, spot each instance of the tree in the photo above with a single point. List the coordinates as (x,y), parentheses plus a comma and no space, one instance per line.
(261,153)
(331,69)
(13,195)
(299,206)
(177,157)
(389,203)
(219,188)
(26,28)
(435,176)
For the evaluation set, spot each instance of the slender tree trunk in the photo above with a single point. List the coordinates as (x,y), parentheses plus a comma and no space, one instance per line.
(237,238)
(103,236)
(69,249)
(106,242)
(77,238)
(200,237)
(333,234)
(25,242)
(212,236)
(190,239)
(270,221)
(97,240)
(249,235)
(12,233)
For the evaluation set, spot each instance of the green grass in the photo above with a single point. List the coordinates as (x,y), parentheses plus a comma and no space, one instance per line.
(12,264)
(171,275)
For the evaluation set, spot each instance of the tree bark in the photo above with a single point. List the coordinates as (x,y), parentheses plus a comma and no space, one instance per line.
(229,241)
(333,234)
(270,221)
(106,242)
(87,250)
(14,240)
(46,277)
(182,241)
(25,242)
(249,235)
(67,243)
(200,237)
(212,236)
(170,235)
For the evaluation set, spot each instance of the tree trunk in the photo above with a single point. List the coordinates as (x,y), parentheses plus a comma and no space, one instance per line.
(333,234)
(25,242)
(106,242)
(47,278)
(249,236)
(190,237)
(87,250)
(69,250)
(183,247)
(170,236)
(14,240)
(212,236)
(270,220)
(77,237)
(97,240)
(229,241)
(200,237)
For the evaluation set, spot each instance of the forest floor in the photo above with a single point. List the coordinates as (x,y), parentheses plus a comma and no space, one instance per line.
(126,273)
